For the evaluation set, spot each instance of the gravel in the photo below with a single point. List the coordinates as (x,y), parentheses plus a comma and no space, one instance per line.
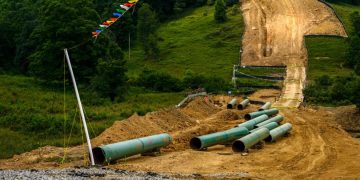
(79,174)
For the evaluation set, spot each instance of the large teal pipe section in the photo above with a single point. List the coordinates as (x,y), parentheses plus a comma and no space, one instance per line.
(268,112)
(205,141)
(243,104)
(251,123)
(246,142)
(279,132)
(232,103)
(277,119)
(267,105)
(269,126)
(112,152)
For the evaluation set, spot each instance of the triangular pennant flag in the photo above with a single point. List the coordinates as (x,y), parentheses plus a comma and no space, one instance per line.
(117,15)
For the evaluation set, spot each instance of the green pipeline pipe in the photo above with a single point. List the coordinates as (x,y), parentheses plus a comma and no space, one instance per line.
(267,105)
(278,132)
(251,123)
(246,142)
(277,119)
(268,112)
(243,104)
(268,126)
(112,152)
(208,140)
(232,103)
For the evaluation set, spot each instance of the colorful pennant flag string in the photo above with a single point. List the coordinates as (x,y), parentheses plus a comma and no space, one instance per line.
(115,16)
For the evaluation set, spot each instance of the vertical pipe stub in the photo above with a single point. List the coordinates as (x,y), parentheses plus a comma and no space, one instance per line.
(243,104)
(232,103)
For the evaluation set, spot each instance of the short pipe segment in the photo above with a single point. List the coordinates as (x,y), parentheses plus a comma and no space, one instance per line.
(232,103)
(248,141)
(279,132)
(267,105)
(243,104)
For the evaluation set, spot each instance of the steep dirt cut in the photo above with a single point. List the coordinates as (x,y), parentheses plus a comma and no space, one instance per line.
(274,36)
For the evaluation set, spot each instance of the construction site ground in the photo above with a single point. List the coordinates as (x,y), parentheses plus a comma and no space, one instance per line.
(317,147)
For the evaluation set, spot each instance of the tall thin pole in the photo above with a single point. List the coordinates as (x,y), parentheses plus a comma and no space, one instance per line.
(80,107)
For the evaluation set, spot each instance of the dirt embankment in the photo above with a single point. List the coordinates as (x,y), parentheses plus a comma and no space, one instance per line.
(316,148)
(274,36)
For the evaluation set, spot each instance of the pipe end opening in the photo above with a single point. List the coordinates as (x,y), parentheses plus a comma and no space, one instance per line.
(99,155)
(247,117)
(261,109)
(269,139)
(195,143)
(229,106)
(238,146)
(240,107)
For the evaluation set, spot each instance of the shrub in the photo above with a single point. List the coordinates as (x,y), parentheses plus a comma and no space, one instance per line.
(159,81)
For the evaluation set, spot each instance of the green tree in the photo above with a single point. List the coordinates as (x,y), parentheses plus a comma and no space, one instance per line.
(146,27)
(65,25)
(353,52)
(220,11)
(110,80)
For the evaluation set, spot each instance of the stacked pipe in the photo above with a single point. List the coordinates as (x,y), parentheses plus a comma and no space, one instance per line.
(268,112)
(223,137)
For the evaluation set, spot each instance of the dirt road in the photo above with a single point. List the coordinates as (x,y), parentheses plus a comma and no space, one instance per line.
(274,36)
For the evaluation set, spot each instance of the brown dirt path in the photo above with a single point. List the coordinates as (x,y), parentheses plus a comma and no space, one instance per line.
(274,36)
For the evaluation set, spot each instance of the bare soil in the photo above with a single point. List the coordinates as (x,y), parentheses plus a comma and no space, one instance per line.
(317,147)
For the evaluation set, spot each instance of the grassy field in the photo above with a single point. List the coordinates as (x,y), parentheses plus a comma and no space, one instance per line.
(32,113)
(195,42)
(327,54)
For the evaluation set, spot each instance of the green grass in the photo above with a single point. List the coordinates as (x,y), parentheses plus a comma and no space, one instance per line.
(195,42)
(32,113)
(327,54)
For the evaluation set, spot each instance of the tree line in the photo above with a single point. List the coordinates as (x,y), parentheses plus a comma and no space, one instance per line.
(341,90)
(33,34)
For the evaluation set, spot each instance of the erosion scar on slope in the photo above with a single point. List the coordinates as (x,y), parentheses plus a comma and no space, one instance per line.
(274,36)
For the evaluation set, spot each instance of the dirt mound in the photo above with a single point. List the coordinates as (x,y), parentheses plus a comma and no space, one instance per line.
(228,115)
(163,121)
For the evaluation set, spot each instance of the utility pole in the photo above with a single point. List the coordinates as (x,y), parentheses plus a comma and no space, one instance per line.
(80,107)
